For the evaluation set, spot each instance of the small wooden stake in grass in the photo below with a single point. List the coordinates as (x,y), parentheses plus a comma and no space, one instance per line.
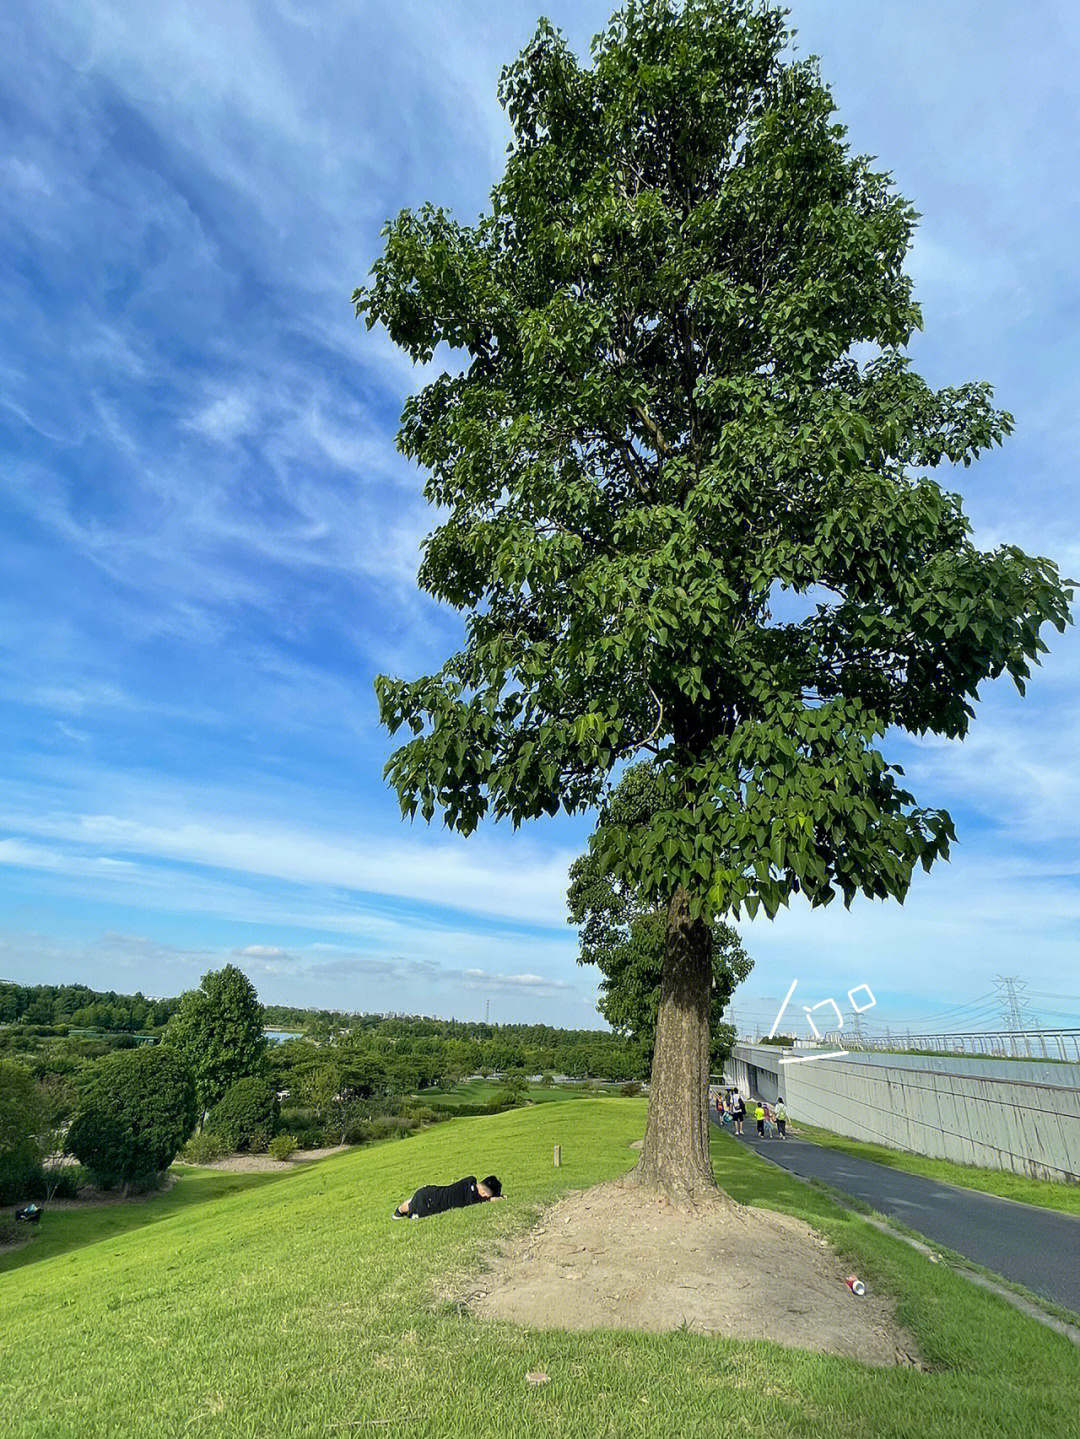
(557,1156)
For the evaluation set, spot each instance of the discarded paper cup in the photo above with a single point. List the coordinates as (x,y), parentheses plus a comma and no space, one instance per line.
(855,1284)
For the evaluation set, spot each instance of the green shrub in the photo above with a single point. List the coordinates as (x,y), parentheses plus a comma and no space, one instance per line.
(21,1118)
(385,1126)
(247,1114)
(58,1183)
(292,1118)
(136,1108)
(497,1103)
(312,1139)
(66,1183)
(21,1175)
(301,1122)
(516,1084)
(425,1115)
(630,1090)
(282,1146)
(204,1148)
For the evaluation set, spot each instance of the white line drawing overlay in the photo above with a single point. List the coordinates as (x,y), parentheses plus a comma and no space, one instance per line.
(808,1010)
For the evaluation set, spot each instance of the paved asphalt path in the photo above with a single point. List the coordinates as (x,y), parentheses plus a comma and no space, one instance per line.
(1034,1247)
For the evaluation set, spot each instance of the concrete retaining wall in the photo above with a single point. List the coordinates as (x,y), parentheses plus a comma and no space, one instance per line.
(999,1114)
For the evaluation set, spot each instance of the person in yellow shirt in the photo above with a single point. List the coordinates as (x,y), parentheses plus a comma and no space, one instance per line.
(759,1115)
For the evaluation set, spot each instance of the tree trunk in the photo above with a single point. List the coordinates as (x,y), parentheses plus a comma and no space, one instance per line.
(675,1155)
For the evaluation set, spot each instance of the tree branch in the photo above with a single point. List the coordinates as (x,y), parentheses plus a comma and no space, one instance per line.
(660,445)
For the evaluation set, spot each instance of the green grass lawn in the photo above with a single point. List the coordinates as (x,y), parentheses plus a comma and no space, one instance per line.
(62,1229)
(296,1308)
(1043,1192)
(479,1091)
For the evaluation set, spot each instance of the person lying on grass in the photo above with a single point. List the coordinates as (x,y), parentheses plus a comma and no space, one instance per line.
(436,1198)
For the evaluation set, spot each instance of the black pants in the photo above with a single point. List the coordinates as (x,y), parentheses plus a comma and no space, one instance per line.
(761,1127)
(781,1125)
(425,1201)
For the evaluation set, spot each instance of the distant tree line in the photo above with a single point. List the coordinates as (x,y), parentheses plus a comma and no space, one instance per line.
(77,1007)
(421,1050)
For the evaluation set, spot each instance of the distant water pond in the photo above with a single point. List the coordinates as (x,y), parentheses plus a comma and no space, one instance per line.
(279,1036)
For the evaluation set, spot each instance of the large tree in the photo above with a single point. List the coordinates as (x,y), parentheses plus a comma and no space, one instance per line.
(218,1030)
(684,497)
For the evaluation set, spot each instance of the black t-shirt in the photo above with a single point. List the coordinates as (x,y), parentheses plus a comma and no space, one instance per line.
(436,1198)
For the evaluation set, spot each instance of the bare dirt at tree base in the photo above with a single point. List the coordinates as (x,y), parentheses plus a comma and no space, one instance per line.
(620,1257)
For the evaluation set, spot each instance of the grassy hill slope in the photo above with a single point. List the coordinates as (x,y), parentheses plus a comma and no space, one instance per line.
(298,1309)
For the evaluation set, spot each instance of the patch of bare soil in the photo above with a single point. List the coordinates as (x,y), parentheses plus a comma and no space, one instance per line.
(255,1163)
(618,1257)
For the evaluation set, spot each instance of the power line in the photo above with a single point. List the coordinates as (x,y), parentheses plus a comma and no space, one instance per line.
(946,1022)
(944,1013)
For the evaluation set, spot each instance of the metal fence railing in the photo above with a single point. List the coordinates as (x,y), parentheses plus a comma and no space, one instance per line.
(1060,1044)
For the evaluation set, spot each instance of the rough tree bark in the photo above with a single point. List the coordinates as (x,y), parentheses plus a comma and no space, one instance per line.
(675,1154)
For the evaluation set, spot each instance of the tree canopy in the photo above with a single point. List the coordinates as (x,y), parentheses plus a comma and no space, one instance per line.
(134,1112)
(684,483)
(218,1030)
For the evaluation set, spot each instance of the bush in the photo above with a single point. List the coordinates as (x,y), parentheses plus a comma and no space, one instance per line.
(424,1115)
(55,1183)
(630,1090)
(516,1084)
(65,1183)
(311,1138)
(21,1176)
(204,1148)
(385,1126)
(21,1117)
(294,1117)
(283,1146)
(247,1114)
(136,1108)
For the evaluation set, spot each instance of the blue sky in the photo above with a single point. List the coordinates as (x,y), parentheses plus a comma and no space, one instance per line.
(210,543)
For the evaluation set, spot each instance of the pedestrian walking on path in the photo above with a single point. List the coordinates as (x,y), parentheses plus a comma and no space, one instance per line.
(780,1115)
(759,1115)
(738,1112)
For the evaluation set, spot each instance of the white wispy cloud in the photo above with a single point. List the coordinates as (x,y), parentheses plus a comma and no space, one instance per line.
(480,879)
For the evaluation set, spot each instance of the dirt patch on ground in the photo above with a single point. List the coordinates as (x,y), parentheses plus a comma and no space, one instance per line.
(618,1257)
(256,1163)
